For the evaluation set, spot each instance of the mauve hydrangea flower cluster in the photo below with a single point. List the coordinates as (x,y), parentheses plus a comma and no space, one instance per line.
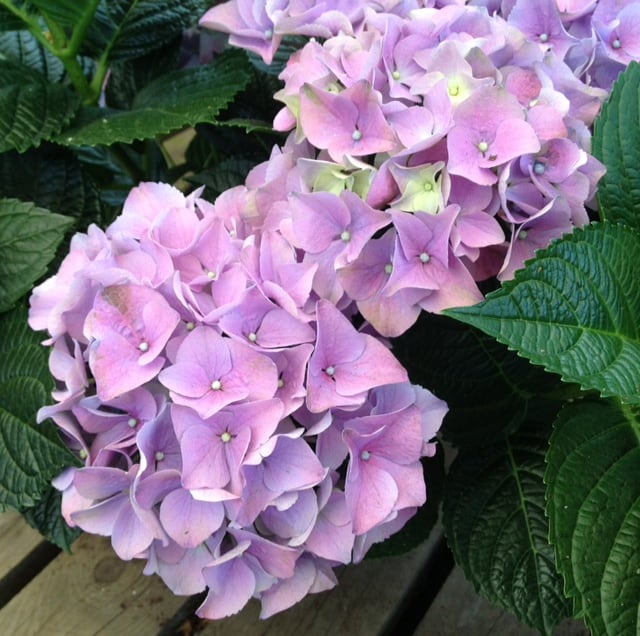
(468,125)
(238,432)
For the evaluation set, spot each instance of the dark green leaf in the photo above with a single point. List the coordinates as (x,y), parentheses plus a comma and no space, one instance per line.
(21,351)
(616,142)
(28,240)
(31,109)
(128,77)
(173,101)
(52,178)
(132,28)
(9,22)
(64,12)
(23,48)
(488,388)
(496,527)
(30,454)
(418,528)
(46,517)
(593,503)
(575,309)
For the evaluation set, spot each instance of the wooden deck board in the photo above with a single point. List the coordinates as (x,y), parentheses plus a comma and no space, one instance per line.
(91,592)
(17,539)
(87,593)
(459,611)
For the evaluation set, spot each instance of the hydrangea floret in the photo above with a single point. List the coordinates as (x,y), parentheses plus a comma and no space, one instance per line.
(223,368)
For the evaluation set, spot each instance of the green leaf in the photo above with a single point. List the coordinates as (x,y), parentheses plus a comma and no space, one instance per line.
(31,109)
(593,503)
(575,309)
(418,528)
(29,237)
(128,77)
(30,455)
(173,101)
(52,178)
(132,28)
(480,379)
(21,351)
(616,142)
(23,48)
(496,527)
(64,12)
(9,22)
(46,517)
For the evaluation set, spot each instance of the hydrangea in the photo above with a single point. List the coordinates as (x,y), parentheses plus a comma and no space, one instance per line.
(466,123)
(238,431)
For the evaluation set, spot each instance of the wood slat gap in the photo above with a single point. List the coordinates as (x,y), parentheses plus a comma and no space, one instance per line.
(26,570)
(421,593)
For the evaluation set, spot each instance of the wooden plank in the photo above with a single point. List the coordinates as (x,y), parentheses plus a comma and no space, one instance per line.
(90,592)
(361,605)
(17,539)
(459,611)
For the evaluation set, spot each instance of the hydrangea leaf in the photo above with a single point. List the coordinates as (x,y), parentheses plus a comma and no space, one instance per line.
(30,455)
(47,519)
(31,108)
(173,101)
(132,28)
(29,237)
(480,379)
(593,504)
(616,143)
(496,526)
(23,48)
(52,178)
(575,310)
(8,21)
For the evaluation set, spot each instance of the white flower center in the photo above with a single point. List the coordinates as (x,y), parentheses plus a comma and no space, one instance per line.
(345,236)
(365,455)
(356,135)
(523,235)
(388,268)
(424,257)
(616,44)
(159,456)
(252,337)
(144,347)
(216,385)
(226,437)
(544,37)
(395,75)
(132,422)
(190,326)
(483,146)
(539,167)
(330,371)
